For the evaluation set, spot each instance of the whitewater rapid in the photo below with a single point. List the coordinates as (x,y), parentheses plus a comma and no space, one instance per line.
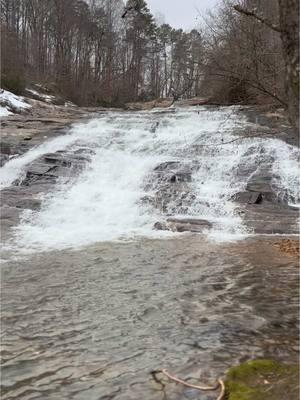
(104,203)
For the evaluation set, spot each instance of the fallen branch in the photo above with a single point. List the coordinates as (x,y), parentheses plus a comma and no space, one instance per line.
(190,385)
(220,383)
(222,394)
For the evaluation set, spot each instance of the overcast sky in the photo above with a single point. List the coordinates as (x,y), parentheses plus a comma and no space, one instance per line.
(181,13)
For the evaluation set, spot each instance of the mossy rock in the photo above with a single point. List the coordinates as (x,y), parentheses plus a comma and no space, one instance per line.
(263,380)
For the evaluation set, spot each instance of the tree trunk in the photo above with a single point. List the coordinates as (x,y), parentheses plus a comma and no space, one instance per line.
(289,26)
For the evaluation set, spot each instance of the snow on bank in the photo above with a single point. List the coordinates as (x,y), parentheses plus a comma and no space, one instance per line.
(43,97)
(10,103)
(4,112)
(48,98)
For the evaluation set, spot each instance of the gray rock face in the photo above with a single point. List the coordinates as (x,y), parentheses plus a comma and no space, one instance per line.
(272,218)
(39,178)
(248,197)
(19,133)
(12,147)
(262,184)
(50,167)
(170,187)
(183,225)
(263,210)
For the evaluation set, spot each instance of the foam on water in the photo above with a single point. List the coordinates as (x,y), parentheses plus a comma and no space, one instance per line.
(105,202)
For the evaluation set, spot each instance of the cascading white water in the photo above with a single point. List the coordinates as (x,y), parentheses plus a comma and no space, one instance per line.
(14,169)
(286,171)
(105,202)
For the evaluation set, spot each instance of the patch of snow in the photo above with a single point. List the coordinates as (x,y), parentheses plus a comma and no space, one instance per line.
(33,92)
(12,101)
(45,97)
(40,86)
(69,104)
(4,112)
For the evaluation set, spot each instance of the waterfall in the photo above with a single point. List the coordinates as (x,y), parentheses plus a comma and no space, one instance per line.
(106,201)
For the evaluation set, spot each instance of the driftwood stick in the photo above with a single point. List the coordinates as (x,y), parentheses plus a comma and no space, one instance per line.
(222,394)
(190,385)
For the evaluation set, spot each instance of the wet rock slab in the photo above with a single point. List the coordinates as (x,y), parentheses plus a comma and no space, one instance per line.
(20,132)
(39,178)
(264,209)
(271,218)
(170,186)
(183,225)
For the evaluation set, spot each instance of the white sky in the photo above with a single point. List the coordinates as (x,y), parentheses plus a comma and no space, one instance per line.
(181,13)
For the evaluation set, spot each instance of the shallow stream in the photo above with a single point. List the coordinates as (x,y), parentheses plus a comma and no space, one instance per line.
(94,299)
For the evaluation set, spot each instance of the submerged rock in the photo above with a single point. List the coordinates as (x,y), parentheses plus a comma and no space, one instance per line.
(262,380)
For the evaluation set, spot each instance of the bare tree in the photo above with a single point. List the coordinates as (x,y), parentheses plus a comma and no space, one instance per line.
(288,28)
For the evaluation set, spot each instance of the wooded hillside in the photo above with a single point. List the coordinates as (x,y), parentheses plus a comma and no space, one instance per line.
(103,52)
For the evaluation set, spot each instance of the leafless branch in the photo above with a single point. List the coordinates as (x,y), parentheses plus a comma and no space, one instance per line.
(259,18)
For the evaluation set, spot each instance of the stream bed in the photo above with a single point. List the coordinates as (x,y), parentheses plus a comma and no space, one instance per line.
(93,324)
(94,298)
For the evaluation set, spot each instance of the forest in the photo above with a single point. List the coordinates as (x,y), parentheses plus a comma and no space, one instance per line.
(105,52)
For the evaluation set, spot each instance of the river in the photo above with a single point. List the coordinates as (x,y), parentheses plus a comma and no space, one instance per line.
(94,299)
